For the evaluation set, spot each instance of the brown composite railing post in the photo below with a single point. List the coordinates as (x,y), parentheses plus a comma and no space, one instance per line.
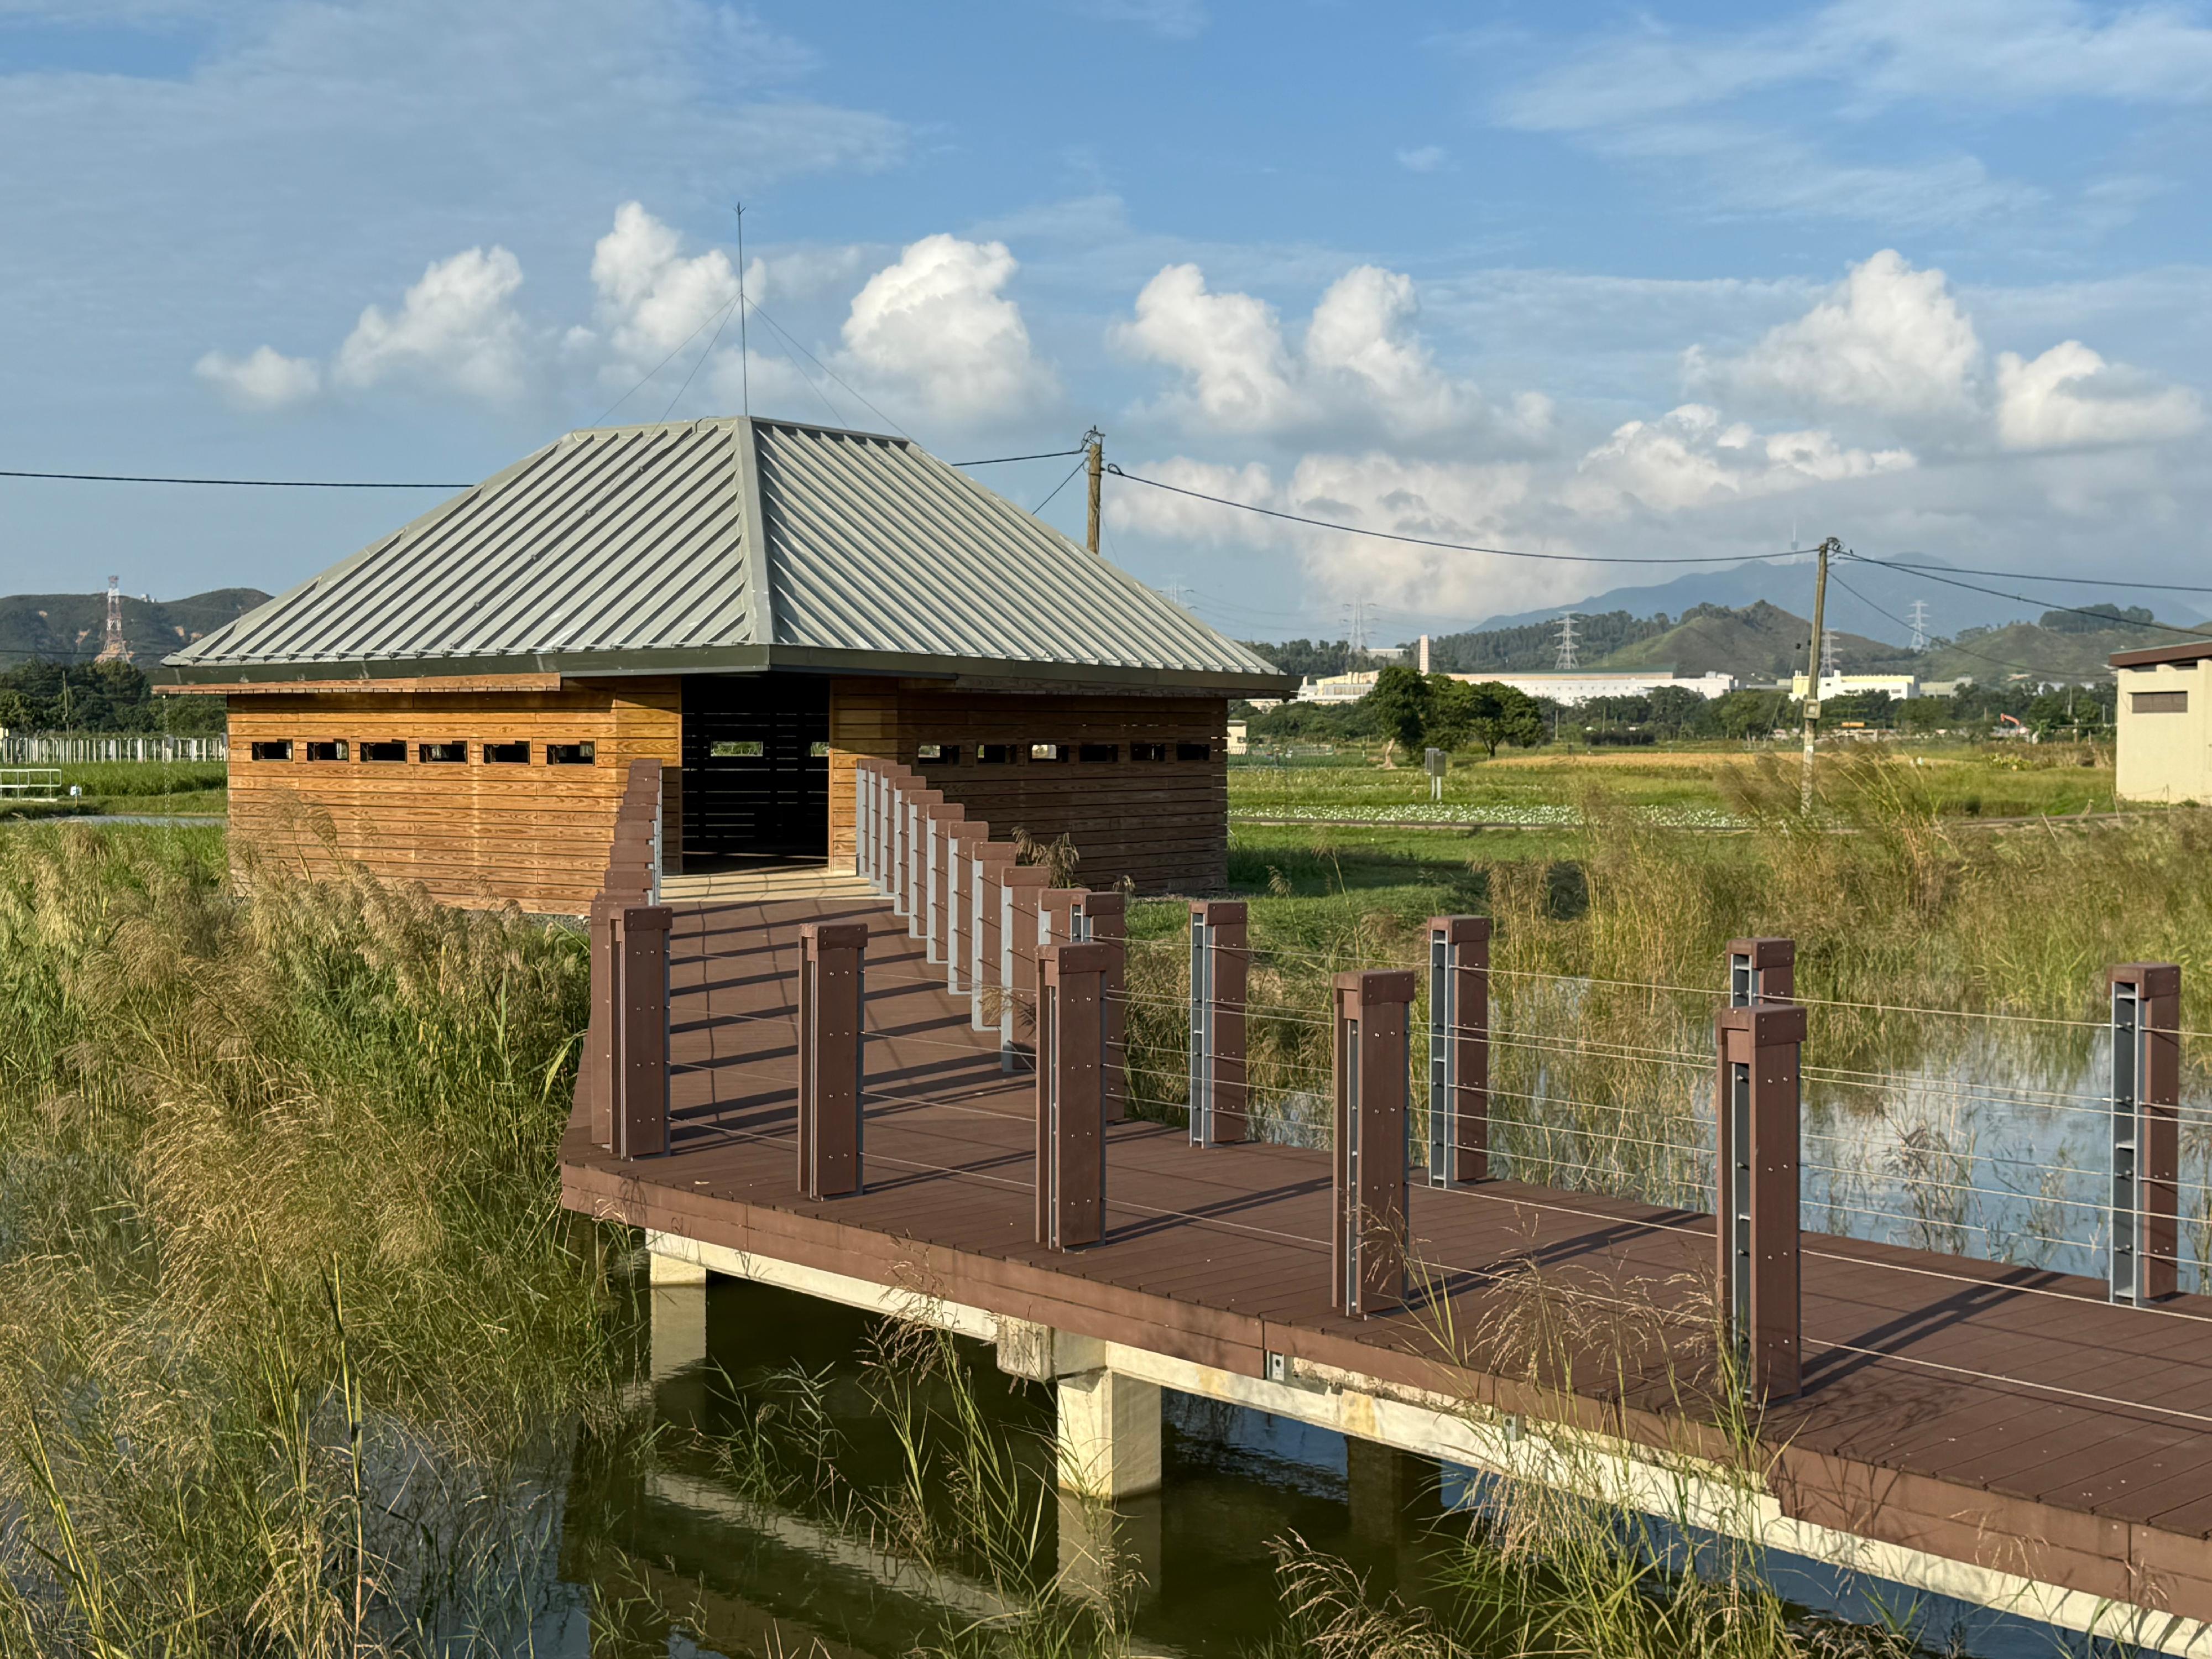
(993,859)
(895,834)
(1103,920)
(943,819)
(832,957)
(1020,885)
(640,1106)
(2146,1131)
(1071,1118)
(1755,1216)
(1458,1049)
(1057,911)
(599,1036)
(920,802)
(1761,970)
(864,819)
(966,836)
(1220,965)
(1367,1240)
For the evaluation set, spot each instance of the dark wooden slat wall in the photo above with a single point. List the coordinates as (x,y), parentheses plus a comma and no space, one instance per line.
(1163,824)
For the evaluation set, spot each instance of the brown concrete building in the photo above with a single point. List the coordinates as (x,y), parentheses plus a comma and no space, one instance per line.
(754,603)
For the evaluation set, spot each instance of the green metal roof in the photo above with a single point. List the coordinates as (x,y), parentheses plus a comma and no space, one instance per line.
(728,545)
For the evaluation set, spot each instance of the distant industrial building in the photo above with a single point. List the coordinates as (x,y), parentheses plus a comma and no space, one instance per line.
(1899,686)
(2164,744)
(1569,689)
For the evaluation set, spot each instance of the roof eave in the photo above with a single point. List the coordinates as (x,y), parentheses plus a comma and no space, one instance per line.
(742,660)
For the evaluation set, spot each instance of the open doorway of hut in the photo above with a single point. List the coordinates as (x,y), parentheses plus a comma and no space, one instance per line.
(756,771)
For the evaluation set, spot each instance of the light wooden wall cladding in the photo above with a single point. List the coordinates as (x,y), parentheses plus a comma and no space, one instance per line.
(473,832)
(1163,823)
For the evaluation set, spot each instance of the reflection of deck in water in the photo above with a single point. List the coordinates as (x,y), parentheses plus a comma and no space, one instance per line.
(1966,1436)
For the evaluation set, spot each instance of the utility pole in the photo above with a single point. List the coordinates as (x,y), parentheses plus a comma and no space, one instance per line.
(1094,441)
(1813,655)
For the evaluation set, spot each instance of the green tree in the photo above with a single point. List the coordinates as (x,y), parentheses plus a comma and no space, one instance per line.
(1400,702)
(1501,713)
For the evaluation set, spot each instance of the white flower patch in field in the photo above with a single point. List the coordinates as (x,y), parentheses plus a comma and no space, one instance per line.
(1419,813)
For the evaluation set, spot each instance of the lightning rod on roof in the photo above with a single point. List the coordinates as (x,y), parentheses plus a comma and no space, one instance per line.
(744,353)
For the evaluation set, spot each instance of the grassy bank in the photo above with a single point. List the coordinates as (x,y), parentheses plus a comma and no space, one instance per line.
(291,1326)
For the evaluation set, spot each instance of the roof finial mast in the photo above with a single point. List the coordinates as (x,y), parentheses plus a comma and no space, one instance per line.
(744,353)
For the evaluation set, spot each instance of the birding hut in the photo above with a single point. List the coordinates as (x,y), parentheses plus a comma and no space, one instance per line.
(753,604)
(2163,741)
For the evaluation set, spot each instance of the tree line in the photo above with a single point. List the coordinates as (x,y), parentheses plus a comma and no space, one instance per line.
(100,697)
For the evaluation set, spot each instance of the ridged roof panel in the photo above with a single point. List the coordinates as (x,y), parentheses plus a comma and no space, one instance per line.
(635,539)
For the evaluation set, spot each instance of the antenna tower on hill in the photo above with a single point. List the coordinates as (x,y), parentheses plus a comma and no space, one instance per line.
(111,648)
(1567,661)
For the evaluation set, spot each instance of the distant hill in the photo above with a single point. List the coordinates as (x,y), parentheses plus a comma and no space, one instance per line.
(70,627)
(2065,653)
(1531,647)
(1761,641)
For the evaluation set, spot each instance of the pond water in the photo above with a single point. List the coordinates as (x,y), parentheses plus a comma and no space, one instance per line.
(666,1547)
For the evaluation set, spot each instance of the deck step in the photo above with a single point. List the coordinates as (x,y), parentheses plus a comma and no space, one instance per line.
(778,884)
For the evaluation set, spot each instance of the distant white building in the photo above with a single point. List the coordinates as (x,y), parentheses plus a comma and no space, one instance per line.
(1843,685)
(1578,686)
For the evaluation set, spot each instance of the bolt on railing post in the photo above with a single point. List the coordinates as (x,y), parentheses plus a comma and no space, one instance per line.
(1070,1119)
(641,1107)
(1761,970)
(1018,887)
(1220,966)
(832,994)
(2145,1131)
(1367,1239)
(1458,1049)
(1102,919)
(1755,1210)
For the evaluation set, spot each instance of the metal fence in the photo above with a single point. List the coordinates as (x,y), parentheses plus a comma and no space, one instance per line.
(71,748)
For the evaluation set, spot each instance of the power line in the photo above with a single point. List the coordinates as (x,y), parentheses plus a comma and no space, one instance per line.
(2022,576)
(1979,656)
(1041,455)
(2023,598)
(1056,488)
(247,483)
(1452,547)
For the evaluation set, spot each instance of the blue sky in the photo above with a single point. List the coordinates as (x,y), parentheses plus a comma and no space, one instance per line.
(1627,282)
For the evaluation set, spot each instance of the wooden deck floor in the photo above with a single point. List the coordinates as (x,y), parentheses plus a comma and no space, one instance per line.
(1990,1413)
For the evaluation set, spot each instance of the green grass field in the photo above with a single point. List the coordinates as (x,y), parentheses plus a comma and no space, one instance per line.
(1692,786)
(133,786)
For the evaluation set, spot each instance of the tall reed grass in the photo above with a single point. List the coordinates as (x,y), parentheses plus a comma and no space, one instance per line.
(292,1327)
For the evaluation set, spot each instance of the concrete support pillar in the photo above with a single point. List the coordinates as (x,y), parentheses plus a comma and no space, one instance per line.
(1109,1436)
(678,1310)
(1110,1552)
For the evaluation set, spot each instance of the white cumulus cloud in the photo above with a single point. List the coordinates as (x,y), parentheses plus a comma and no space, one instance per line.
(1237,372)
(264,379)
(1690,457)
(2070,395)
(1889,338)
(651,298)
(456,329)
(937,327)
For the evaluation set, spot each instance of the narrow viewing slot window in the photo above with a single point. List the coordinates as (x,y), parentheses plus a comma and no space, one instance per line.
(1049,752)
(937,754)
(507,754)
(573,754)
(441,754)
(1099,753)
(994,754)
(1194,752)
(384,751)
(1148,752)
(333,750)
(736,749)
(282,748)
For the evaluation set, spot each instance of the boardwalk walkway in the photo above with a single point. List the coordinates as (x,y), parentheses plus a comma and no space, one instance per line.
(1987,1413)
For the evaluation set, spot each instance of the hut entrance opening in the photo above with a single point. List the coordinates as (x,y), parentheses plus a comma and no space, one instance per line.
(756,770)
